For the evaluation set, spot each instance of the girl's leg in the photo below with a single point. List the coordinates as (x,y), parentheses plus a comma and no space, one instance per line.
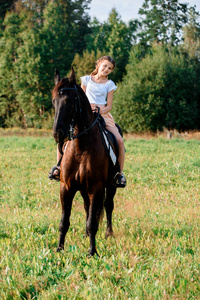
(55,170)
(58,155)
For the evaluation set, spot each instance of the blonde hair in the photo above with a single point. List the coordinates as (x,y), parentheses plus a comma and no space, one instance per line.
(109,58)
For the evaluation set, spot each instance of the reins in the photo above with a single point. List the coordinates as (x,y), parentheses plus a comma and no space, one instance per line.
(86,130)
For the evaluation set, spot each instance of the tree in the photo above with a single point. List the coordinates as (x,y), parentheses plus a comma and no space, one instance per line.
(44,49)
(191,35)
(84,64)
(158,91)
(163,21)
(119,43)
(31,94)
(39,37)
(4,7)
(10,41)
(114,38)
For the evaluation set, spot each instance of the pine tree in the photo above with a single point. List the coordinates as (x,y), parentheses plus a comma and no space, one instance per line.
(191,35)
(113,37)
(162,21)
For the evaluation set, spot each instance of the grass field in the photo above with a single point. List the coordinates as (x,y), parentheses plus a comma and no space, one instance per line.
(155,253)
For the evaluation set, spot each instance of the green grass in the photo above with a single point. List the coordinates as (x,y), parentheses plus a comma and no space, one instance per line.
(155,251)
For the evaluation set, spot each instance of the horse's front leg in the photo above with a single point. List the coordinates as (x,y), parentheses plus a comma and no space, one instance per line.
(109,206)
(66,197)
(95,210)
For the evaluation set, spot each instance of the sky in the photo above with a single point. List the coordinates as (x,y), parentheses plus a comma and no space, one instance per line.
(127,9)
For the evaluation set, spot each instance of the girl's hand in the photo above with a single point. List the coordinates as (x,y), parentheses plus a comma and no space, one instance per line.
(106,109)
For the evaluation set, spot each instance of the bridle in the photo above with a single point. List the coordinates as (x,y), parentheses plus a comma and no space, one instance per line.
(78,109)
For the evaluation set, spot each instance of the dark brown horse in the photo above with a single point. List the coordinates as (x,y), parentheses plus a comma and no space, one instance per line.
(85,166)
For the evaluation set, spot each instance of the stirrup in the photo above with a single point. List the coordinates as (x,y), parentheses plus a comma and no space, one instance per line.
(52,176)
(120,180)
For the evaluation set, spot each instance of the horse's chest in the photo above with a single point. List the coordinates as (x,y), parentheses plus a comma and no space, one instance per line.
(84,167)
(85,170)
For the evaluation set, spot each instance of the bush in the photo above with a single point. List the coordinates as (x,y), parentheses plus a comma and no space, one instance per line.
(160,90)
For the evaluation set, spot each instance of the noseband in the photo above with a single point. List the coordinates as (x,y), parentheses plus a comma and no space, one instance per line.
(78,109)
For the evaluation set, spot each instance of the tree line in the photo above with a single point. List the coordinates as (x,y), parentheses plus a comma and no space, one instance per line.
(158,61)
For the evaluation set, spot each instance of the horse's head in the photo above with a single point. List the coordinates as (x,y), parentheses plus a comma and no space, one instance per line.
(64,100)
(69,101)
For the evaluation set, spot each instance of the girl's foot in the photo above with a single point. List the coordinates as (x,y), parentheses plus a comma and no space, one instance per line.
(54,173)
(120,180)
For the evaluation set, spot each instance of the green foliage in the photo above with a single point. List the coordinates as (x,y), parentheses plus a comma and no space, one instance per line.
(4,7)
(84,64)
(113,37)
(163,21)
(10,42)
(161,90)
(38,38)
(191,35)
(155,252)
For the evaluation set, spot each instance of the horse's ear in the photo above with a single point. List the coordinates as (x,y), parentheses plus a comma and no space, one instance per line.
(56,77)
(72,76)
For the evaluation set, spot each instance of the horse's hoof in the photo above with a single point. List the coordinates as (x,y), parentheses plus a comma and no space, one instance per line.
(59,249)
(109,233)
(86,233)
(93,252)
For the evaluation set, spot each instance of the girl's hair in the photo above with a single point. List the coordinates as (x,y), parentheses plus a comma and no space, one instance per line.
(109,58)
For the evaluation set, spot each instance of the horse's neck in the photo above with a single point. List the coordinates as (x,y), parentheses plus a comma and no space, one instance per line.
(86,117)
(85,121)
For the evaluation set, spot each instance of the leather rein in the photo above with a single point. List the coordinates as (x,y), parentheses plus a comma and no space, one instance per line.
(77,102)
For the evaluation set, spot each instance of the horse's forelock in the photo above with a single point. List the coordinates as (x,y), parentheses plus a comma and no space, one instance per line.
(64,82)
(58,86)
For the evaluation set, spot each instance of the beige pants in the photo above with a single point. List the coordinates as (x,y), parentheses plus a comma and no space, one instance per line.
(107,117)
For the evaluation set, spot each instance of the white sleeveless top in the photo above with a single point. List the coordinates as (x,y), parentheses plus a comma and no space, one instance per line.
(97,92)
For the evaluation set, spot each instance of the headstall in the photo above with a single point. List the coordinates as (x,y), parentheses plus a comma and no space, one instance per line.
(77,102)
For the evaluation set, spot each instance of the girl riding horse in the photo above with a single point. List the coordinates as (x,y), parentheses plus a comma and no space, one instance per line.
(99,91)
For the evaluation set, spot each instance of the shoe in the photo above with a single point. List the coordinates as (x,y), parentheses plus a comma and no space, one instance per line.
(120,180)
(54,173)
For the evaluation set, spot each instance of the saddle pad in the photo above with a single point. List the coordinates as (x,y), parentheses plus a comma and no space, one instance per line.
(109,147)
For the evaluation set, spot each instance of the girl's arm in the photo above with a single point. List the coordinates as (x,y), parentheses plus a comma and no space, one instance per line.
(83,87)
(108,107)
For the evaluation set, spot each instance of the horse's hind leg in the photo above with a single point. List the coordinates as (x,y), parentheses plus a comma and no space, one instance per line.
(86,206)
(109,206)
(66,197)
(95,210)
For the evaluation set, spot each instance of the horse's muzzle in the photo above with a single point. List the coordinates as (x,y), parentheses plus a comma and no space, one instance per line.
(59,135)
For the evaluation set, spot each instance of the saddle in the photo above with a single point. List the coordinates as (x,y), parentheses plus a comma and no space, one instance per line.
(109,141)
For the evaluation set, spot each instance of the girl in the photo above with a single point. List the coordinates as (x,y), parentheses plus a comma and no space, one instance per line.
(99,91)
